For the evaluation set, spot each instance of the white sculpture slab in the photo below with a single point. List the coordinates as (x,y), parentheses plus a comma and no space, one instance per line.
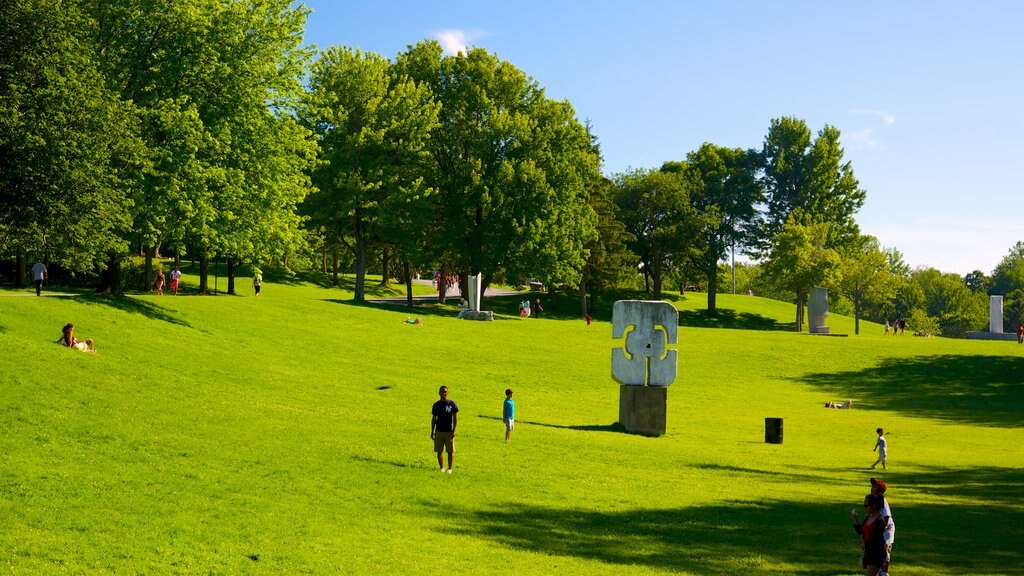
(995,314)
(474,293)
(648,328)
(817,310)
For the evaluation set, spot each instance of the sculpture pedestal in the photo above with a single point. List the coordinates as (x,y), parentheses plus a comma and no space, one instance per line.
(643,409)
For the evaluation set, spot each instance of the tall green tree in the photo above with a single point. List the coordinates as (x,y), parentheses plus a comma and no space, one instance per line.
(68,154)
(807,179)
(801,259)
(610,264)
(511,168)
(373,126)
(214,84)
(724,193)
(947,298)
(1008,281)
(655,208)
(865,276)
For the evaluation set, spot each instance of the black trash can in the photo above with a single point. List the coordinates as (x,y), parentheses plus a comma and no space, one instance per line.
(773,430)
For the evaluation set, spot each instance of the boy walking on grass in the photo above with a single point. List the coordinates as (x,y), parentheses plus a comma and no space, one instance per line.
(508,414)
(880,447)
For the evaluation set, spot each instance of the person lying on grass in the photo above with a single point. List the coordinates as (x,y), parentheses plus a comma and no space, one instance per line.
(844,405)
(68,339)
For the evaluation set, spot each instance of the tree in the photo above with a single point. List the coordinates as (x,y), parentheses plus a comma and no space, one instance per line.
(724,194)
(373,126)
(609,261)
(655,209)
(976,281)
(865,276)
(67,148)
(948,299)
(809,181)
(214,84)
(1008,281)
(801,260)
(511,168)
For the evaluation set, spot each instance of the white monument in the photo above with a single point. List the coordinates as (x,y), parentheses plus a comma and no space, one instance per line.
(817,310)
(995,314)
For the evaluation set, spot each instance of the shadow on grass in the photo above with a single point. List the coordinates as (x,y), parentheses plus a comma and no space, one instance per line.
(132,305)
(567,307)
(986,390)
(728,318)
(421,308)
(752,537)
(614,427)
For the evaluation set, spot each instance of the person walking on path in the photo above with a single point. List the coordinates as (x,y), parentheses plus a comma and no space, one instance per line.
(443,421)
(880,446)
(159,283)
(39,274)
(508,414)
(1020,332)
(175,278)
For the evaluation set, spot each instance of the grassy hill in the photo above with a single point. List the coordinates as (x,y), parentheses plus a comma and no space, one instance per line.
(290,434)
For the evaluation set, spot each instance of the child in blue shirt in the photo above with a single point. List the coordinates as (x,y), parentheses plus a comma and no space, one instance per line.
(508,414)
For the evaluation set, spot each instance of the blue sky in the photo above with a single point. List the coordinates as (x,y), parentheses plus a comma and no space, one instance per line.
(928,95)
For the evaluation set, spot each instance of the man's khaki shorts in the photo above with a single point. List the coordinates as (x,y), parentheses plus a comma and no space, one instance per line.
(443,442)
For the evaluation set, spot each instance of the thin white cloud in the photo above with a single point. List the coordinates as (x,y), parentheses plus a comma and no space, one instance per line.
(867,137)
(454,40)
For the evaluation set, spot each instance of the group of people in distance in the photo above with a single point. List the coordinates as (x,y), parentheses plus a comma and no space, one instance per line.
(899,326)
(876,530)
(525,310)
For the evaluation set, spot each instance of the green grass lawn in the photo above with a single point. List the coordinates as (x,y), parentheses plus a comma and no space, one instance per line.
(290,434)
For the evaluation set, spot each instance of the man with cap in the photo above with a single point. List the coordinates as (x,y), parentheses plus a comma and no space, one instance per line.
(878,487)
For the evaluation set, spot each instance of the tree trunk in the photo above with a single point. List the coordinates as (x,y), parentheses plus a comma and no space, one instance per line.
(232,263)
(324,259)
(385,267)
(442,284)
(799,310)
(334,266)
(19,270)
(656,277)
(856,314)
(552,301)
(204,273)
(408,282)
(360,289)
(110,278)
(464,285)
(150,252)
(583,297)
(713,292)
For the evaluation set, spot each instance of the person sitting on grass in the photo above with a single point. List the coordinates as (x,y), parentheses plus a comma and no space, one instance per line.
(68,339)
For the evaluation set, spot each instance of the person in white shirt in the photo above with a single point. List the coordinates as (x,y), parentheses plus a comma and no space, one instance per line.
(38,275)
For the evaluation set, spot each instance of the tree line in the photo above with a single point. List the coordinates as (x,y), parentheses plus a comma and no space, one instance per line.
(208,130)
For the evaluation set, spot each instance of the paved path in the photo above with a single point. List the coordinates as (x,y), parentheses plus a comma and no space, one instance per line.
(453,292)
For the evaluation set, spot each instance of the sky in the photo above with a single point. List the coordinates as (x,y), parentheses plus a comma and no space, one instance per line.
(928,95)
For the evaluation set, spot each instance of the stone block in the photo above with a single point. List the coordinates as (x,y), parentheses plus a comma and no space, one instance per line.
(486,315)
(643,409)
(773,430)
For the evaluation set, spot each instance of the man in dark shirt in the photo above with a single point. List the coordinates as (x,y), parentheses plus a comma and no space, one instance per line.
(443,420)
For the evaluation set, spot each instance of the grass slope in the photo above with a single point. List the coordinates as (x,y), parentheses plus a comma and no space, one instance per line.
(289,434)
